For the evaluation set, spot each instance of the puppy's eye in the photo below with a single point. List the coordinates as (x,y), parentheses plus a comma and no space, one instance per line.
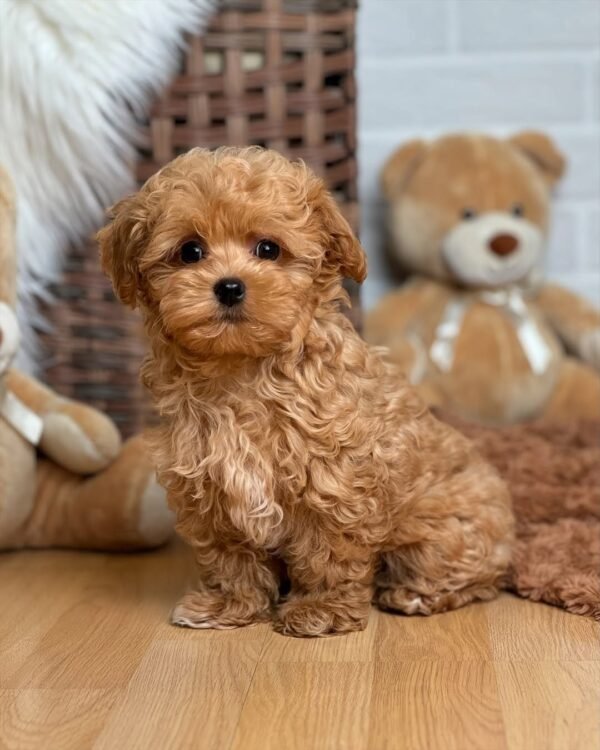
(518,209)
(191,252)
(267,250)
(468,213)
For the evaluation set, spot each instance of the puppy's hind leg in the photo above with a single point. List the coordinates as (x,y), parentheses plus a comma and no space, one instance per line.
(413,595)
(463,552)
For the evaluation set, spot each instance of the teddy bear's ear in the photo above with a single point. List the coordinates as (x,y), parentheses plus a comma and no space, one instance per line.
(543,152)
(343,250)
(400,166)
(121,243)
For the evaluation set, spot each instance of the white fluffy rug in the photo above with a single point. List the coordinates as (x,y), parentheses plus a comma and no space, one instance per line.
(74,76)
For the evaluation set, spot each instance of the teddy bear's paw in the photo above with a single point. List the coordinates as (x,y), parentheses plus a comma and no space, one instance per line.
(79,439)
(155,520)
(590,348)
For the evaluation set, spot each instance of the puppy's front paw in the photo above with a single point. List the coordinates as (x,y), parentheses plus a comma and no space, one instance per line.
(209,609)
(313,617)
(590,348)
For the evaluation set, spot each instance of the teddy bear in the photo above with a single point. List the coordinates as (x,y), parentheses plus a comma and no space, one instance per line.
(475,327)
(65,478)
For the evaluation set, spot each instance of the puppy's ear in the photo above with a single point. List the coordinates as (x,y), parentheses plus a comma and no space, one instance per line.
(543,152)
(400,165)
(121,243)
(343,249)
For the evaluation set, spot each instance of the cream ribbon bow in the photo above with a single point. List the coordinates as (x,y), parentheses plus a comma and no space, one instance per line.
(535,348)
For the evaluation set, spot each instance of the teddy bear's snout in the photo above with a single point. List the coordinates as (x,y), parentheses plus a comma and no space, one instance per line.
(503,244)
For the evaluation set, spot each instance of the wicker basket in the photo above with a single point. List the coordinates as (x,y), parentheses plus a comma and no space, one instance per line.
(278,73)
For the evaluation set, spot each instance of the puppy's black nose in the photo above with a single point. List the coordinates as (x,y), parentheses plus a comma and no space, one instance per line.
(230,292)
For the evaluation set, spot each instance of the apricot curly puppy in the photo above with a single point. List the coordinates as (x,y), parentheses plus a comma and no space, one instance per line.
(286,442)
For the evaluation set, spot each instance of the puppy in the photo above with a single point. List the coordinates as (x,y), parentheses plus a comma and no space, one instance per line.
(287,444)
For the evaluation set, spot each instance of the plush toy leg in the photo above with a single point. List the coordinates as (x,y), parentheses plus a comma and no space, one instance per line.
(120,508)
(17,484)
(577,393)
(75,436)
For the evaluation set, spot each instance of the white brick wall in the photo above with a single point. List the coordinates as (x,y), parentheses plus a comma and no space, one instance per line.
(430,66)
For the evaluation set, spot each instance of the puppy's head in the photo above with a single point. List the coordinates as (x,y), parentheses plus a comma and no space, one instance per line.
(230,252)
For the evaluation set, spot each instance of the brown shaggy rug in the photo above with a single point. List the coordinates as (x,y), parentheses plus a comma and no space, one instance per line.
(554,475)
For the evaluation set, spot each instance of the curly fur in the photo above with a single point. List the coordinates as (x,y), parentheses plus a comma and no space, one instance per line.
(288,447)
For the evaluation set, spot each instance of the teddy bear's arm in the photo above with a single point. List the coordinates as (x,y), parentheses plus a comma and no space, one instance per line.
(75,436)
(392,324)
(394,314)
(576,321)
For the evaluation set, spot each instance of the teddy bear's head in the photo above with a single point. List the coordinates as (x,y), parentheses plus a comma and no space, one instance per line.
(471,208)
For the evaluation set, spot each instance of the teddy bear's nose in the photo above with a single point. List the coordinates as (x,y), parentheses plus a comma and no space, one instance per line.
(503,244)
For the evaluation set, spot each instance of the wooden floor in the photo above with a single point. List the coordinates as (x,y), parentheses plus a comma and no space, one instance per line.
(87,660)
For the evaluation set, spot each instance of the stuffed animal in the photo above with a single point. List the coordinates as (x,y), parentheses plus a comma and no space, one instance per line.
(65,479)
(475,327)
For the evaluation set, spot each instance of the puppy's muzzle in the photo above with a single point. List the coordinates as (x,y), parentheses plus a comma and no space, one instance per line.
(230,292)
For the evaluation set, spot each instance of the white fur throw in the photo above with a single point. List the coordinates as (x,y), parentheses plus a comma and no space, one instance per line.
(75,77)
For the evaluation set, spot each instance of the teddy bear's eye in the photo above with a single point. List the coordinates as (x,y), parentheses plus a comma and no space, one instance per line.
(191,252)
(267,250)
(518,209)
(468,213)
